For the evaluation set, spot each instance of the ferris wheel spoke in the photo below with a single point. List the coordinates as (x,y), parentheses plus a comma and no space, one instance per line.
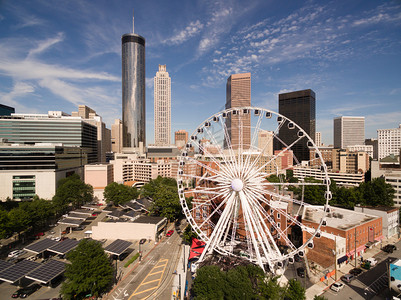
(206,202)
(262,212)
(217,231)
(200,164)
(290,183)
(281,152)
(214,178)
(216,209)
(274,134)
(256,234)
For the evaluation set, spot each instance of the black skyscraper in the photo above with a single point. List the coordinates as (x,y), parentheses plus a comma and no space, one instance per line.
(299,107)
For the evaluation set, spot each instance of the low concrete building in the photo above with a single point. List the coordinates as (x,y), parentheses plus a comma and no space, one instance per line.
(29,170)
(360,231)
(389,215)
(144,227)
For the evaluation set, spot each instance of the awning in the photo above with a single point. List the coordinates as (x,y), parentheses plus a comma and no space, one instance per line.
(342,259)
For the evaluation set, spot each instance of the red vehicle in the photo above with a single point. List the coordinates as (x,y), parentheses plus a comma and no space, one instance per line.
(170,233)
(94,214)
(40,234)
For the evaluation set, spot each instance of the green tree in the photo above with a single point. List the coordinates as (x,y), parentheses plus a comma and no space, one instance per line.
(40,211)
(294,290)
(90,271)
(376,192)
(319,297)
(19,219)
(5,230)
(119,193)
(209,283)
(72,190)
(188,234)
(166,202)
(151,188)
(272,290)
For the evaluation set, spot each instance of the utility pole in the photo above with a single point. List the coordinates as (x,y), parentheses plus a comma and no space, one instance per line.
(355,247)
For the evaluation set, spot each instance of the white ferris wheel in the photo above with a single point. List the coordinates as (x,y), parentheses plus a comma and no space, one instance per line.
(225,166)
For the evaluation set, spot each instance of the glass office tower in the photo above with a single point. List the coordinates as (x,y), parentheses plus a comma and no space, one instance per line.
(133,90)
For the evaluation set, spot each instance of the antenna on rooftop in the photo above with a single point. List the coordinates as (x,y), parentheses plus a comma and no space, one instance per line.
(133,23)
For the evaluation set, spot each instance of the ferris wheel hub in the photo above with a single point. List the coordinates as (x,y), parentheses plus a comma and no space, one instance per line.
(237,184)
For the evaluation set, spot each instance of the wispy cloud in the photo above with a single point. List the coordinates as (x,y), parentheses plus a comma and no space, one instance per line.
(188,32)
(44,45)
(385,13)
(28,21)
(19,89)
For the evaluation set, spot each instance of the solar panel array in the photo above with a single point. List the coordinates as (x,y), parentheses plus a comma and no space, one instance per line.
(71,222)
(19,270)
(64,247)
(77,216)
(117,247)
(40,246)
(4,265)
(47,271)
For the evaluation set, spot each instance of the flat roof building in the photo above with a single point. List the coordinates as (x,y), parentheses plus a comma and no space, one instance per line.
(349,131)
(299,107)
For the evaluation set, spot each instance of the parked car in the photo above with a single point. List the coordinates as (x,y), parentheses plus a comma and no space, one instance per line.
(16,253)
(337,286)
(301,272)
(32,258)
(25,292)
(142,241)
(356,271)
(366,265)
(170,233)
(29,290)
(372,261)
(79,228)
(389,248)
(347,278)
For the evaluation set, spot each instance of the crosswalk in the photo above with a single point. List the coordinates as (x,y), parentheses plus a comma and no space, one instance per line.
(378,284)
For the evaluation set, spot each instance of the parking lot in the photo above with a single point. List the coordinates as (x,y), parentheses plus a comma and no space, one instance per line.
(57,233)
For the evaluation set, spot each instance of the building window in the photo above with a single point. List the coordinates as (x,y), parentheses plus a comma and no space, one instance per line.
(24,187)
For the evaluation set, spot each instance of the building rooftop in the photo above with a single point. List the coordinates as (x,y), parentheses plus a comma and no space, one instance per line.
(149,220)
(342,219)
(381,208)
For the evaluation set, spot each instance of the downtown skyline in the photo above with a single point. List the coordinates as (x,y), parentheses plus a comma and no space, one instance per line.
(349,53)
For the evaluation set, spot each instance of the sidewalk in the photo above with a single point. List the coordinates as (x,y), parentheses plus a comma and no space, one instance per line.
(320,287)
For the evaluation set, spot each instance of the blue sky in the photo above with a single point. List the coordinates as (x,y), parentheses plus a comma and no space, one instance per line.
(55,55)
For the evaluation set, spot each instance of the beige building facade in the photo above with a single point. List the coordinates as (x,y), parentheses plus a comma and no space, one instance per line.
(162,106)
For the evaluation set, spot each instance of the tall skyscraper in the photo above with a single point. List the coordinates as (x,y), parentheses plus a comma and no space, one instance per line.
(117,136)
(349,131)
(162,98)
(389,141)
(300,107)
(238,94)
(133,90)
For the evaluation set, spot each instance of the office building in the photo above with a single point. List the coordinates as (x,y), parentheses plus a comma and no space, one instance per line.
(238,94)
(374,143)
(162,107)
(53,127)
(265,142)
(389,217)
(117,136)
(6,110)
(299,107)
(29,170)
(389,141)
(180,138)
(103,134)
(389,168)
(365,148)
(349,131)
(318,138)
(133,90)
(98,176)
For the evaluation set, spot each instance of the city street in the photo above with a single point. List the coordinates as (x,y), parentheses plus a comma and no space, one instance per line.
(364,285)
(152,277)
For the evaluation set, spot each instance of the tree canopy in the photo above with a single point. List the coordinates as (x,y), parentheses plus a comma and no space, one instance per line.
(90,271)
(372,193)
(242,282)
(163,191)
(119,193)
(72,190)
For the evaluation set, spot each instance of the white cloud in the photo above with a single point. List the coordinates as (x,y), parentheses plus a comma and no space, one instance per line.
(149,82)
(191,30)
(28,21)
(20,89)
(44,45)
